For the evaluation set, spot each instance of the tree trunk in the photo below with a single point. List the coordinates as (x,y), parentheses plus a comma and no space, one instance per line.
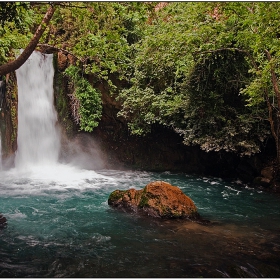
(274,115)
(14,65)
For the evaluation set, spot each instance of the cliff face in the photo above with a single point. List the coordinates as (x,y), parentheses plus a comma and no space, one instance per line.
(8,116)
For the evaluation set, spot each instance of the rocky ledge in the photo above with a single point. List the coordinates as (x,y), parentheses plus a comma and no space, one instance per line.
(3,221)
(157,199)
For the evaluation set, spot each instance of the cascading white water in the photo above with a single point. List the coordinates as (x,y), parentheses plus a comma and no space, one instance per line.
(38,137)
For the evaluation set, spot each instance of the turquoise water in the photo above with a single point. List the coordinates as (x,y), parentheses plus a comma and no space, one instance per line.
(60,225)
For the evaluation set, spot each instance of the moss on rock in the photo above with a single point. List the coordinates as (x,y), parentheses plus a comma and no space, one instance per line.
(157,199)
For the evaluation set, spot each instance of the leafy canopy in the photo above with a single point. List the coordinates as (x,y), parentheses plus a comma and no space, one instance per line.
(16,19)
(189,71)
(203,69)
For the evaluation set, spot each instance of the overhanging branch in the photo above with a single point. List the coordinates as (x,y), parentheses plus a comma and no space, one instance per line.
(17,63)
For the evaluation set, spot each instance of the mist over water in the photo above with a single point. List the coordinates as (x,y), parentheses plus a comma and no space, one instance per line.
(60,224)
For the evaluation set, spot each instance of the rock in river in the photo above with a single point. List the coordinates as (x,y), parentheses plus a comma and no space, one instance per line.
(3,221)
(157,199)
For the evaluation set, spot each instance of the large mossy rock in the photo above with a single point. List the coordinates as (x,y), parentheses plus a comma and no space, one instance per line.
(157,199)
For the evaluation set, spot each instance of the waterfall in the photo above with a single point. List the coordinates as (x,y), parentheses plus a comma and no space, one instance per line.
(38,137)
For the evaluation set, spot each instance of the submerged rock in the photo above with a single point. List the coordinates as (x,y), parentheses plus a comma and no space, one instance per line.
(3,221)
(157,199)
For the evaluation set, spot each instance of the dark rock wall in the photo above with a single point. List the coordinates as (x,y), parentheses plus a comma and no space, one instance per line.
(61,98)
(163,150)
(8,118)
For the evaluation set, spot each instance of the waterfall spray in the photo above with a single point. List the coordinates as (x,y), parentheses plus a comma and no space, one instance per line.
(38,137)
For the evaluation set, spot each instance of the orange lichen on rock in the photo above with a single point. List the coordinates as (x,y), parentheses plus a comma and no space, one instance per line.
(157,199)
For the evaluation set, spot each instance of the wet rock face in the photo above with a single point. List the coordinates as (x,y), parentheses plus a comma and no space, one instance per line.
(157,199)
(3,221)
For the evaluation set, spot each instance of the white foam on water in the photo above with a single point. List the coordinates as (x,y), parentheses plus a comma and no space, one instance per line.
(58,177)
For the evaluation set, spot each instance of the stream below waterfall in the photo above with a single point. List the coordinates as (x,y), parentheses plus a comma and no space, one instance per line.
(60,224)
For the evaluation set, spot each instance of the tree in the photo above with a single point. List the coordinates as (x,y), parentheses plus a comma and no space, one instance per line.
(15,64)
(188,75)
(261,39)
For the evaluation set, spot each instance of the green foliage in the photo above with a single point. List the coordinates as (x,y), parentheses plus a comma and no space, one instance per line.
(102,34)
(261,35)
(200,68)
(189,73)
(216,114)
(89,100)
(16,18)
(14,12)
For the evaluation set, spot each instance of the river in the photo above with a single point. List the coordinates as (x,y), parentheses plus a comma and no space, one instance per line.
(62,226)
